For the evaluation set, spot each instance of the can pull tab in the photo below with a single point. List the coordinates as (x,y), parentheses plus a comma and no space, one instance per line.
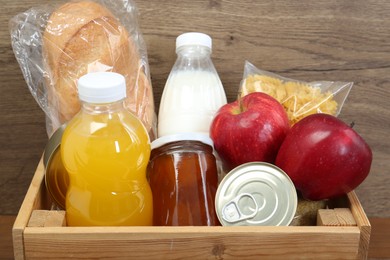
(231,212)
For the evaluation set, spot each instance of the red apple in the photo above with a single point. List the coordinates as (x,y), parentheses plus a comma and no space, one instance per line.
(324,157)
(250,130)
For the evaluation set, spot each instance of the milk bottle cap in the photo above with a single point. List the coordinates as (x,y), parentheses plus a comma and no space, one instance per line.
(193,38)
(101,87)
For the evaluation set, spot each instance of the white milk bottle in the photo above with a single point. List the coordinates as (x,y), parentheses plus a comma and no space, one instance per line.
(193,92)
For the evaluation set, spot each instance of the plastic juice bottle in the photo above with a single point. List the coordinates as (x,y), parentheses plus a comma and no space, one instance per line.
(105,150)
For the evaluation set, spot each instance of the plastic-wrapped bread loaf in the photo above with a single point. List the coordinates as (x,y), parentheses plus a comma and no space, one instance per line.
(82,37)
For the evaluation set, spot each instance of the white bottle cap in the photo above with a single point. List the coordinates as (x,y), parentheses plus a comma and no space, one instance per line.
(193,38)
(102,87)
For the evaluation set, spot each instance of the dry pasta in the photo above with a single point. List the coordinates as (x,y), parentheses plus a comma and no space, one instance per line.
(298,99)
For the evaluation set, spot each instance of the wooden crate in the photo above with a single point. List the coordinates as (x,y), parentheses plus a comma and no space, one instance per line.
(292,242)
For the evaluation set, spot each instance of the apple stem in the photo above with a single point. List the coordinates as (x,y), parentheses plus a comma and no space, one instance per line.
(352,124)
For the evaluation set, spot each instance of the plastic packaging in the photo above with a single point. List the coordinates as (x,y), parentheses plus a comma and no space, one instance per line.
(193,91)
(57,44)
(299,98)
(183,177)
(105,150)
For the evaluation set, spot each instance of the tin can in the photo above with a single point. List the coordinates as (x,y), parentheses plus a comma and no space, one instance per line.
(56,176)
(256,194)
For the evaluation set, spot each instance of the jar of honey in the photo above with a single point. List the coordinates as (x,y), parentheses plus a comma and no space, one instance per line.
(183,177)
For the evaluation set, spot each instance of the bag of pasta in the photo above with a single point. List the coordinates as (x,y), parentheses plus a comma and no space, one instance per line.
(298,98)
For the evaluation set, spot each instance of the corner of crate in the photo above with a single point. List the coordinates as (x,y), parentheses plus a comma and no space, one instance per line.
(35,198)
(363,224)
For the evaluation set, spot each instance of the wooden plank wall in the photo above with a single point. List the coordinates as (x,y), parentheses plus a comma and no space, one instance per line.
(347,40)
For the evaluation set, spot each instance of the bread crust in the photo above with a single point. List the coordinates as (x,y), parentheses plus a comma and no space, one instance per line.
(82,37)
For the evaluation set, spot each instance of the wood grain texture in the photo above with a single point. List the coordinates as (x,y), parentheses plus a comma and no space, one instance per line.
(379,242)
(363,224)
(192,242)
(307,40)
(335,217)
(6,248)
(380,238)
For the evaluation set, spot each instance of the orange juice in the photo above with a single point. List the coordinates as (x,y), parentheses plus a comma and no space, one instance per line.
(105,150)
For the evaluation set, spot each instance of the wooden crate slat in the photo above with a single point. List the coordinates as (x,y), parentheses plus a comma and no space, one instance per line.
(193,242)
(293,242)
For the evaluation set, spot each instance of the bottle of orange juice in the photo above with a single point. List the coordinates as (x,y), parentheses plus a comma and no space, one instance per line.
(105,150)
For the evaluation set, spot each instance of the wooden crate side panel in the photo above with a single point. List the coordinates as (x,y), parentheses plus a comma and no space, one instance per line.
(17,241)
(362,222)
(192,242)
(36,198)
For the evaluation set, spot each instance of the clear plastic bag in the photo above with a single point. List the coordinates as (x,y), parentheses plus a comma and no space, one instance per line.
(57,44)
(299,98)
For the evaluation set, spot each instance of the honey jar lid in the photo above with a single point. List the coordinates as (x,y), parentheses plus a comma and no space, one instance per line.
(190,136)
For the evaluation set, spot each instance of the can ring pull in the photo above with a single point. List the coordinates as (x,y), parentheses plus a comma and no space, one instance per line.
(231,212)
